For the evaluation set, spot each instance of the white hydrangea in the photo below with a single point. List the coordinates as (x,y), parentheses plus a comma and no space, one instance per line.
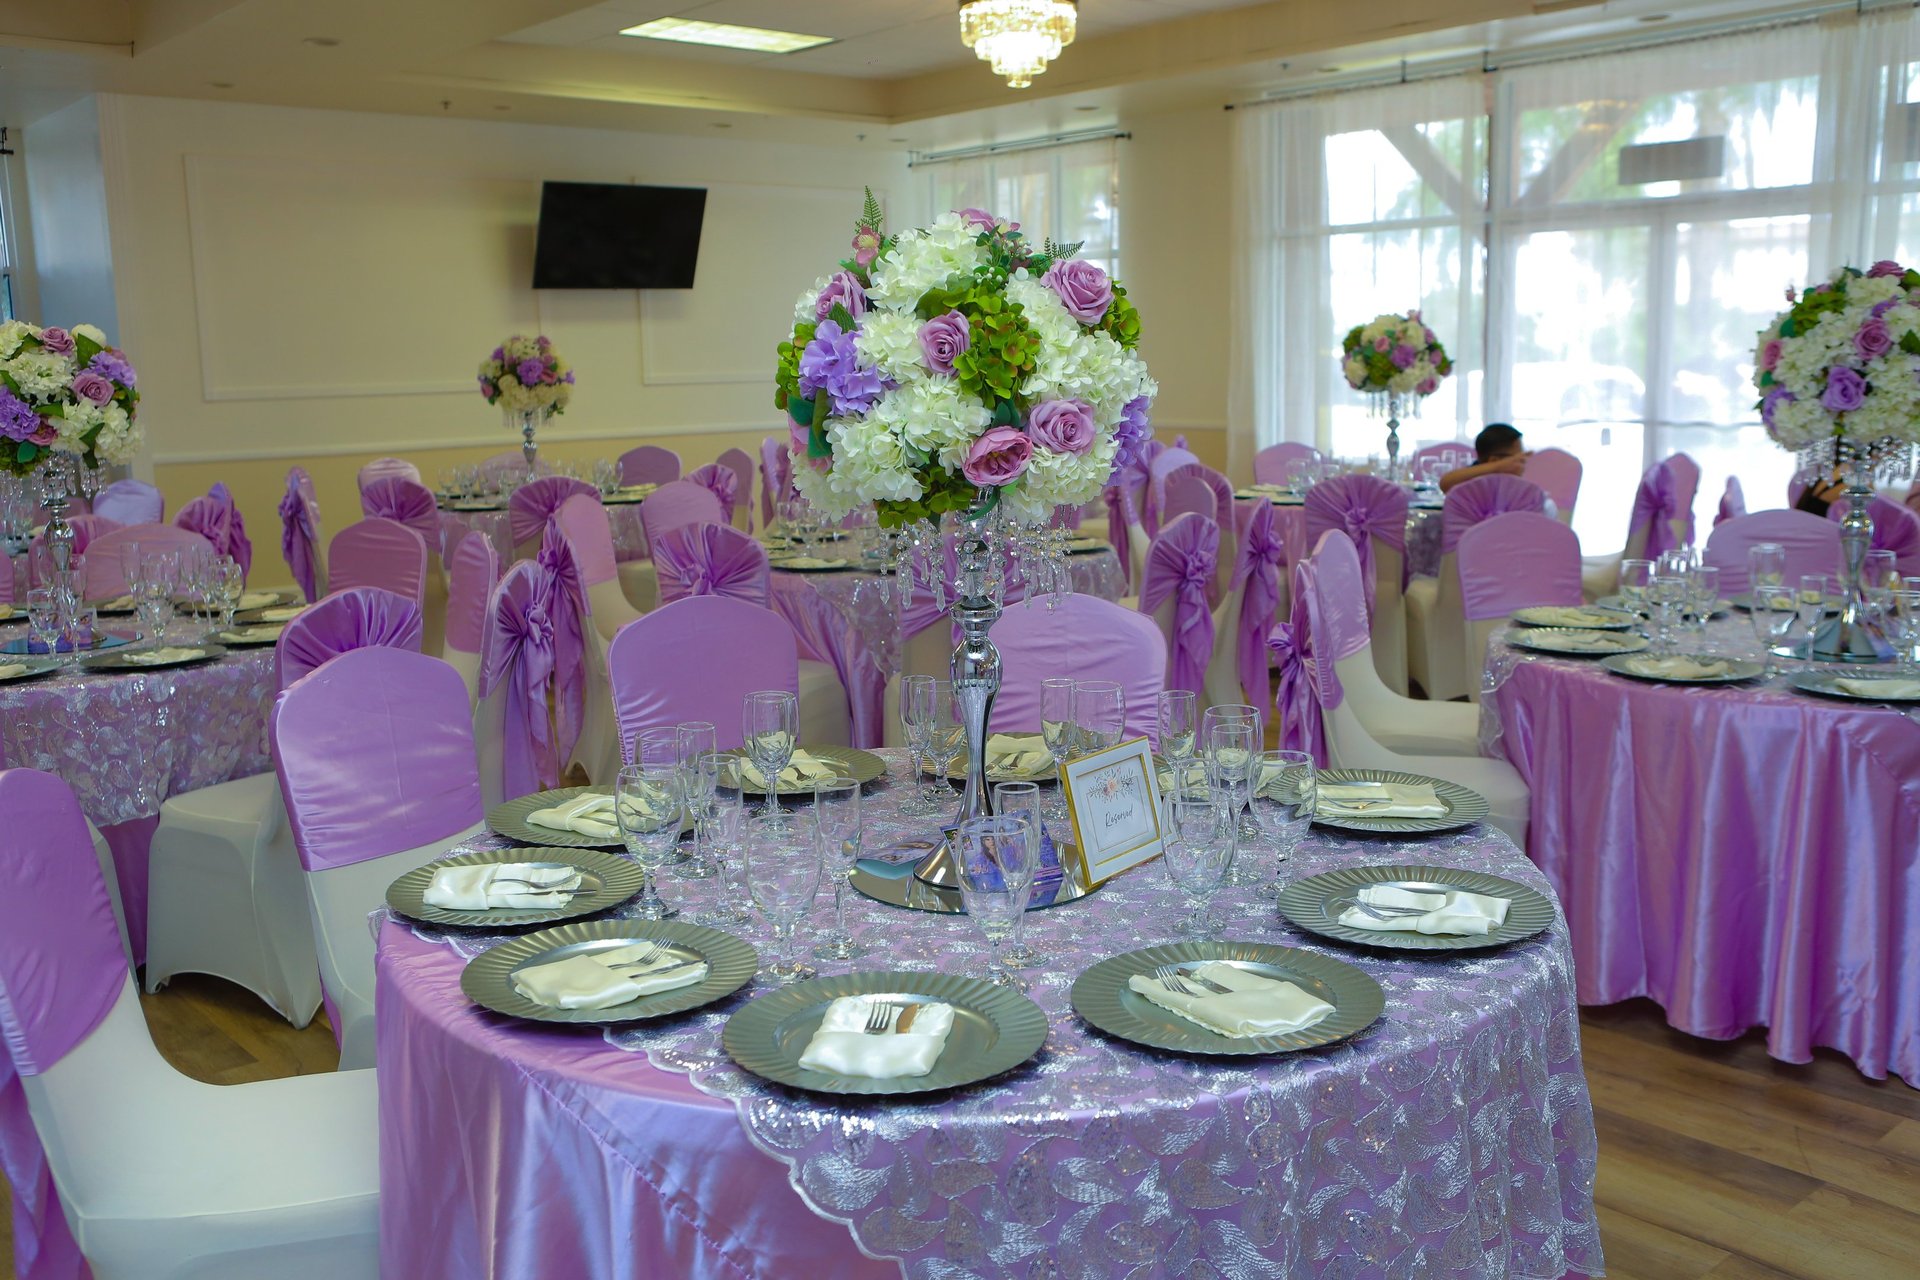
(41,375)
(1061,480)
(12,334)
(804,304)
(872,459)
(1892,405)
(118,441)
(932,416)
(923,259)
(890,342)
(90,332)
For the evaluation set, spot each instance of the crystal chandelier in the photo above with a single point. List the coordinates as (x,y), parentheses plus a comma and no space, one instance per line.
(1018,38)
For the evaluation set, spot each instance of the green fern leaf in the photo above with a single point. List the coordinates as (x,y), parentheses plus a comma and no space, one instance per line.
(1062,252)
(870,213)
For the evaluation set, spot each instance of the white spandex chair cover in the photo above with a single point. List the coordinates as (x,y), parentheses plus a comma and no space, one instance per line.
(1513,561)
(1436,624)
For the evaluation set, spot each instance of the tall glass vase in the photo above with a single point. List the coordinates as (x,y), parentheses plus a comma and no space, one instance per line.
(1854,636)
(526,422)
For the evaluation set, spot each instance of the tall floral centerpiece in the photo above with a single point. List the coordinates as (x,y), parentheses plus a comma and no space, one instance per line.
(958,369)
(1838,374)
(530,382)
(1397,362)
(67,405)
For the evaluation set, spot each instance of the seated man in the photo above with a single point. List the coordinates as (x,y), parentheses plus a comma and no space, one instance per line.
(1498,453)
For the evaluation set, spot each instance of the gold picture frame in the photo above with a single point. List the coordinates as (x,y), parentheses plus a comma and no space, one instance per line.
(1113,804)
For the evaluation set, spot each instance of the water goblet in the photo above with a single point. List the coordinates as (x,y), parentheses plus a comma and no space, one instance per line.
(1810,603)
(783,868)
(1879,575)
(836,814)
(1231,756)
(1286,784)
(82,625)
(1706,597)
(1197,852)
(1056,731)
(946,734)
(698,756)
(1766,566)
(770,725)
(44,618)
(648,805)
(993,854)
(1099,715)
(1176,715)
(228,582)
(1903,627)
(1664,593)
(1236,713)
(1022,800)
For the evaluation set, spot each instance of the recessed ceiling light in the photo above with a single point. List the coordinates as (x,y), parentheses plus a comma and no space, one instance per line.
(725,36)
(220,84)
(899,139)
(321,42)
(501,106)
(1328,71)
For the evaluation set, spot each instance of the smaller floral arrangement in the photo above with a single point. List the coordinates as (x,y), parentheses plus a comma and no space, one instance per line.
(526,373)
(64,391)
(1394,354)
(1841,365)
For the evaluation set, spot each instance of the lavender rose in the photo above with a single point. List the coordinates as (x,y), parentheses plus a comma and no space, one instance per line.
(18,421)
(844,289)
(942,339)
(987,221)
(1063,426)
(1403,356)
(997,458)
(1846,390)
(530,371)
(1770,354)
(1885,267)
(1873,340)
(58,341)
(1083,288)
(1428,386)
(91,386)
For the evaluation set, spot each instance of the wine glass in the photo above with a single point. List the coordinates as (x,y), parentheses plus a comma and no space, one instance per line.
(1766,567)
(836,813)
(1286,785)
(1706,597)
(1022,800)
(1197,852)
(82,623)
(1664,592)
(696,751)
(1056,730)
(648,804)
(43,618)
(722,828)
(1879,575)
(1099,715)
(916,717)
(994,864)
(946,732)
(1811,605)
(1903,627)
(1635,575)
(228,582)
(1232,754)
(1235,713)
(783,868)
(1176,716)
(770,724)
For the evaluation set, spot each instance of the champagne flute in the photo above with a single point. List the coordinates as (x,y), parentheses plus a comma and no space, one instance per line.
(1879,575)
(1287,784)
(1022,800)
(1197,852)
(994,854)
(229,582)
(783,868)
(1811,605)
(1903,626)
(43,619)
(1664,591)
(1635,575)
(1056,730)
(1706,597)
(916,716)
(769,723)
(1176,713)
(648,805)
(1232,754)
(696,751)
(836,813)
(1236,713)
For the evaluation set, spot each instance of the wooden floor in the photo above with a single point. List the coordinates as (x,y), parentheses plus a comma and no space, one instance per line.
(1715,1160)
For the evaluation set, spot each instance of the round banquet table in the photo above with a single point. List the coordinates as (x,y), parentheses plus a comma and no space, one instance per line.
(1745,855)
(1453,1137)
(125,742)
(1423,534)
(851,620)
(490,519)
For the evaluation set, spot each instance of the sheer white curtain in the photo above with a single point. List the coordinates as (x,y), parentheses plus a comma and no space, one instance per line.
(1069,193)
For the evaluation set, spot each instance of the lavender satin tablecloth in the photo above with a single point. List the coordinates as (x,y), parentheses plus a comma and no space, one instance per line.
(851,621)
(1745,855)
(1453,1138)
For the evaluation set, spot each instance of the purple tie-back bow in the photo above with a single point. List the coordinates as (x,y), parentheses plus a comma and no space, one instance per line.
(1656,507)
(297,539)
(1257,576)
(1298,702)
(1181,567)
(565,600)
(722,483)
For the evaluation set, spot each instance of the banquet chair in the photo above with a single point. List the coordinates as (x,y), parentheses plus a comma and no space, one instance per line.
(711,560)
(697,659)
(470,581)
(1452,453)
(1239,671)
(86,528)
(377,552)
(117,1158)
(1352,701)
(1558,472)
(1733,502)
(581,527)
(1895,529)
(1373,514)
(1662,520)
(375,754)
(533,506)
(300,541)
(1437,657)
(1271,464)
(385,468)
(106,567)
(1512,561)
(1811,543)
(1086,638)
(130,501)
(216,517)
(673,504)
(1176,592)
(1209,493)
(649,464)
(411,503)
(1123,497)
(1161,464)
(723,484)
(776,478)
(527,710)
(224,893)
(737,461)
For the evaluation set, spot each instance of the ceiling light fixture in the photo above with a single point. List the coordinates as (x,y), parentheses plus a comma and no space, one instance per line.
(725,36)
(1017,38)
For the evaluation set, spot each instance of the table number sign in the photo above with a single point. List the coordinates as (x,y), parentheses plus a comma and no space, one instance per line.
(1113,801)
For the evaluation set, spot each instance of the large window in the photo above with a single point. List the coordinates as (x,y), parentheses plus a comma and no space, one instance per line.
(9,244)
(1597,240)
(1068,193)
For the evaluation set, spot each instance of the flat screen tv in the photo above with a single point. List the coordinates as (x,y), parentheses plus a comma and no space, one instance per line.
(596,235)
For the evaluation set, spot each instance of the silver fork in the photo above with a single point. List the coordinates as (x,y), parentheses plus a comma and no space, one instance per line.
(880,1019)
(652,953)
(538,887)
(1379,913)
(1170,977)
(1177,975)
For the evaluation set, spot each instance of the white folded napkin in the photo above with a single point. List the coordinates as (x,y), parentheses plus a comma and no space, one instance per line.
(1454,911)
(1017,753)
(1585,641)
(256,599)
(475,888)
(590,815)
(268,631)
(1877,687)
(153,657)
(11,669)
(6,611)
(1678,667)
(1379,800)
(589,981)
(841,1046)
(806,562)
(803,767)
(283,613)
(1570,616)
(1252,1006)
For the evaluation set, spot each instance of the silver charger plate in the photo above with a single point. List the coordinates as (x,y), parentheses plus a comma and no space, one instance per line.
(731,963)
(1546,640)
(608,881)
(823,566)
(114,608)
(1311,904)
(35,668)
(862,766)
(1738,669)
(1103,999)
(241,640)
(1820,684)
(1609,619)
(1744,602)
(1087,546)
(120,660)
(995,1029)
(510,820)
(1465,806)
(257,617)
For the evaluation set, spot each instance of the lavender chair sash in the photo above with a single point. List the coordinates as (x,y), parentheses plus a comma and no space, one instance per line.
(723,483)
(1336,612)
(1733,502)
(516,667)
(533,505)
(217,519)
(470,581)
(300,532)
(355,618)
(1123,496)
(1220,490)
(572,623)
(1482,497)
(1515,561)
(1364,508)
(404,501)
(1895,529)
(710,560)
(582,522)
(1256,576)
(1657,506)
(1302,727)
(375,754)
(776,476)
(1181,567)
(131,502)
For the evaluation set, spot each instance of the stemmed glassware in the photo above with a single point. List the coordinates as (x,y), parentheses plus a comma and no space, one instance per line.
(1022,800)
(82,622)
(697,754)
(1903,627)
(1665,592)
(770,721)
(44,618)
(836,813)
(722,829)
(648,803)
(1176,716)
(1635,576)
(1099,715)
(1056,730)
(917,716)
(151,574)
(783,869)
(996,879)
(1705,598)
(1197,852)
(228,582)
(1232,754)
(1811,605)
(1240,713)
(1287,786)
(1879,575)
(946,732)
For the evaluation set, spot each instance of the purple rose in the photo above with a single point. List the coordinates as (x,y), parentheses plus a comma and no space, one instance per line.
(1083,288)
(18,420)
(1885,267)
(487,389)
(1883,306)
(529,371)
(1132,433)
(58,341)
(844,289)
(1770,354)
(831,364)
(998,457)
(112,363)
(1381,344)
(942,339)
(1428,386)
(1403,356)
(1064,426)
(91,386)
(1846,390)
(1873,340)
(499,356)
(987,221)
(1772,401)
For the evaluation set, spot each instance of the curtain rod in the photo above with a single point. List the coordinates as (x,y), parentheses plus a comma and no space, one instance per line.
(915,159)
(1488,61)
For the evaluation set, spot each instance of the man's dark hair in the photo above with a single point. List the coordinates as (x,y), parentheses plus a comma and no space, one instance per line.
(1492,438)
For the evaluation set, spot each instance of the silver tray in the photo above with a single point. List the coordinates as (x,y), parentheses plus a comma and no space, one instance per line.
(731,963)
(905,890)
(116,660)
(1613,619)
(608,881)
(1309,903)
(1465,806)
(1738,669)
(35,669)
